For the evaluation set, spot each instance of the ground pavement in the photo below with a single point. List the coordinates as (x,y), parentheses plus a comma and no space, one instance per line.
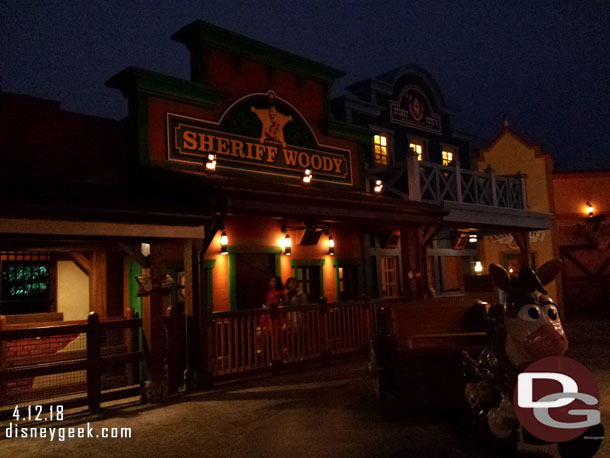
(328,412)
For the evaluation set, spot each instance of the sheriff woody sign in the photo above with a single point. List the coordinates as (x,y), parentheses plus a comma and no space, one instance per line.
(261,134)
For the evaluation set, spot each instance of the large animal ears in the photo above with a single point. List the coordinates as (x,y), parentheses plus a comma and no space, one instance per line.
(499,276)
(549,270)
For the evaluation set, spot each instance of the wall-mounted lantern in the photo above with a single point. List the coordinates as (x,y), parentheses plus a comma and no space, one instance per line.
(378,186)
(224,243)
(307,176)
(478,267)
(590,209)
(210,165)
(287,245)
(331,246)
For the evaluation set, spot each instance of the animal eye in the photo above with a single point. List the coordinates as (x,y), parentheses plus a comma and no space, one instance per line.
(551,311)
(529,312)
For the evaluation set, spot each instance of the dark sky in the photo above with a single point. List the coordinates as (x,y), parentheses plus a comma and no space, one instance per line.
(545,64)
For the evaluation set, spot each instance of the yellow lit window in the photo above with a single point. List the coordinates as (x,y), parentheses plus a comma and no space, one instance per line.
(447,157)
(418,149)
(381,149)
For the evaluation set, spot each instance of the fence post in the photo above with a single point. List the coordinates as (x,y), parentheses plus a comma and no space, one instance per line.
(413,176)
(523,185)
(94,361)
(130,344)
(3,356)
(326,353)
(276,350)
(492,185)
(458,180)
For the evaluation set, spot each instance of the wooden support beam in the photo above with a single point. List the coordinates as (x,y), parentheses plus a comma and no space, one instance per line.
(411,248)
(97,283)
(82,261)
(153,310)
(522,239)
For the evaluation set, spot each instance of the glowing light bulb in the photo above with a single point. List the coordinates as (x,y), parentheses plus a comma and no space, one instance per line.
(478,267)
(378,186)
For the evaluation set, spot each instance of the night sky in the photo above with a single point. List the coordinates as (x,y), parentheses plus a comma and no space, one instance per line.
(544,64)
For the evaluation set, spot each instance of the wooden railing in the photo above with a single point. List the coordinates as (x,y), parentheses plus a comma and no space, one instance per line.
(270,339)
(438,183)
(76,363)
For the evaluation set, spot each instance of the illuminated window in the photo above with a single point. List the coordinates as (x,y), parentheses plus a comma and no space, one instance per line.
(381,149)
(447,156)
(417,147)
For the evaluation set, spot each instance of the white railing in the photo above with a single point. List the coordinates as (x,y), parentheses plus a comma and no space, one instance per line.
(436,183)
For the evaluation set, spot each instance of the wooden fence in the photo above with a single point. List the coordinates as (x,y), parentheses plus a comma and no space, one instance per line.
(72,363)
(268,340)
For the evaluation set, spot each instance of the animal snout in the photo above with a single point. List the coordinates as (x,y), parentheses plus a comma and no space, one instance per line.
(547,340)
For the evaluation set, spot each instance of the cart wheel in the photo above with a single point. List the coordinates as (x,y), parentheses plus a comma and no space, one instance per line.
(377,375)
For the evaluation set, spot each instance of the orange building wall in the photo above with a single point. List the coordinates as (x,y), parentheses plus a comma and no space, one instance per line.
(573,190)
(249,233)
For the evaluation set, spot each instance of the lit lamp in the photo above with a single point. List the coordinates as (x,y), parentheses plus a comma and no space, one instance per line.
(224,243)
(210,165)
(307,176)
(473,238)
(590,209)
(378,186)
(331,246)
(478,267)
(287,245)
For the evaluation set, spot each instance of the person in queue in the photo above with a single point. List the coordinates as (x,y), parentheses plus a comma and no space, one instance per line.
(275,291)
(292,294)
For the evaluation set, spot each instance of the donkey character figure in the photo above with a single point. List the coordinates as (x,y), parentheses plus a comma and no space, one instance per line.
(525,328)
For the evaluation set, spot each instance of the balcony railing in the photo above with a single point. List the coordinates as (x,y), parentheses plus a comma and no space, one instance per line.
(437,183)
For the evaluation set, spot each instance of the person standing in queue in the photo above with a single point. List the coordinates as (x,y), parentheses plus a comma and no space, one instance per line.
(275,291)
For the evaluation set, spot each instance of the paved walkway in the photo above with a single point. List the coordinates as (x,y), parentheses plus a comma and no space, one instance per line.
(328,412)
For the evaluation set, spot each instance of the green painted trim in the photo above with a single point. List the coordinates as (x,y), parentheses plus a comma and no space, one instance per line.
(232,282)
(307,262)
(198,35)
(311,262)
(133,80)
(133,269)
(209,293)
(278,264)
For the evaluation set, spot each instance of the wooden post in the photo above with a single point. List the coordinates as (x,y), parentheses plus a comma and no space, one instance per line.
(411,250)
(523,184)
(523,241)
(153,328)
(94,361)
(276,346)
(198,319)
(413,176)
(458,180)
(325,332)
(3,356)
(492,185)
(130,345)
(97,283)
